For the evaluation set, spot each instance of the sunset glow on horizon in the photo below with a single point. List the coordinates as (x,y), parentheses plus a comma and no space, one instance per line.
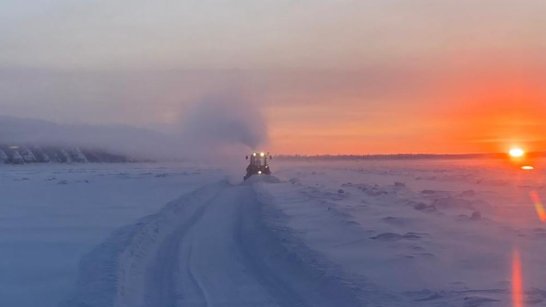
(478,109)
(491,126)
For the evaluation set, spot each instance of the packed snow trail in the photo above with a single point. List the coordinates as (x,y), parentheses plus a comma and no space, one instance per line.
(201,263)
(210,248)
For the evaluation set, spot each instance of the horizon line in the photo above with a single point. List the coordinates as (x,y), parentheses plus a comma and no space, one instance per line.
(405,155)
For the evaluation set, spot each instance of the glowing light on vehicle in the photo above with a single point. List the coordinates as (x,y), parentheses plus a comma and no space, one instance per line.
(516,152)
(527,167)
(539,207)
(259,172)
(262,154)
(517,280)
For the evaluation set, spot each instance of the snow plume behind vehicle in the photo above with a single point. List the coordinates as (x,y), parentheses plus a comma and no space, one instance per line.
(222,129)
(218,130)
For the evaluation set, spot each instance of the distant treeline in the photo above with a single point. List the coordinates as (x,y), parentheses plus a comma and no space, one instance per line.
(402,156)
(24,154)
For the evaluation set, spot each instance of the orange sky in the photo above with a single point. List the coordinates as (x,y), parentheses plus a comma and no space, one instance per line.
(469,111)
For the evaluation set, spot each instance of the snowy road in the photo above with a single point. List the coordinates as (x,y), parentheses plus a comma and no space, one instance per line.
(203,262)
(209,248)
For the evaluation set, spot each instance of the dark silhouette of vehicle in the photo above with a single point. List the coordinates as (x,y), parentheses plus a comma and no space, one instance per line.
(259,164)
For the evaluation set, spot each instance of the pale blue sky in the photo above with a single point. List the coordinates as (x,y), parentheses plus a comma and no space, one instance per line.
(260,34)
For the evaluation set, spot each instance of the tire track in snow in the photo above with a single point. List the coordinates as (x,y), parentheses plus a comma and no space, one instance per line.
(161,290)
(194,281)
(212,248)
(116,272)
(214,261)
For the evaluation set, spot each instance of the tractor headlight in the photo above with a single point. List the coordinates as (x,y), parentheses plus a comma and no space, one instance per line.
(259,172)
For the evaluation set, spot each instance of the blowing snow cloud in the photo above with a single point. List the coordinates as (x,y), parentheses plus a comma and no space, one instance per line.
(224,121)
(223,124)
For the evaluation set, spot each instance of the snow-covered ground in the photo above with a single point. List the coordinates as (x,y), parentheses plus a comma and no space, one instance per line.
(420,233)
(51,215)
(346,233)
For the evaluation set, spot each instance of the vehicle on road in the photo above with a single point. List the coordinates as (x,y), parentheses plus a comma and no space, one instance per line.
(259,164)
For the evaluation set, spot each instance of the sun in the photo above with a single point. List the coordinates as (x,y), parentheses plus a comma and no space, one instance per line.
(516,152)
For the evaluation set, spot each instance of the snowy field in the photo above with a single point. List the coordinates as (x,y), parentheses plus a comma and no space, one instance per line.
(51,215)
(421,233)
(345,233)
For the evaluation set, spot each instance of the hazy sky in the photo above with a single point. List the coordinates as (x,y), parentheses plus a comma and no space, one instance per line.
(365,76)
